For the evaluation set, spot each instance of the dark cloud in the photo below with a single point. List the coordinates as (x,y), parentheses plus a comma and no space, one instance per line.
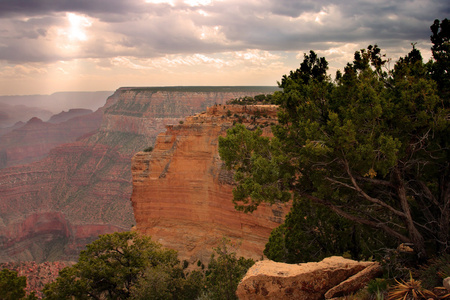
(139,29)
(40,7)
(294,9)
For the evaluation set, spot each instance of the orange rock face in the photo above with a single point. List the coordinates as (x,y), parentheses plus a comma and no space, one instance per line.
(182,195)
(88,182)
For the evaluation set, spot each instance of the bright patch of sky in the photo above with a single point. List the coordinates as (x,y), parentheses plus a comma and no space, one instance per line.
(49,46)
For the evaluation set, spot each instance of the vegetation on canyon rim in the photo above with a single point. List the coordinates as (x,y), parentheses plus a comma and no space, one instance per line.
(130,266)
(13,286)
(365,157)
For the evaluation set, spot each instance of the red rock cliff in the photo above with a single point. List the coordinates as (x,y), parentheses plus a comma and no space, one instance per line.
(182,196)
(88,183)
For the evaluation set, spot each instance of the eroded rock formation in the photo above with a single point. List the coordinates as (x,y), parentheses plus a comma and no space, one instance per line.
(182,195)
(333,277)
(88,182)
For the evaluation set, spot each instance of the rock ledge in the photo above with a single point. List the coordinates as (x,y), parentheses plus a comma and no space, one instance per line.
(332,277)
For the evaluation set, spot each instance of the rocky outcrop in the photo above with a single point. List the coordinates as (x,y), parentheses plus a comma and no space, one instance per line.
(446,283)
(332,277)
(89,181)
(182,195)
(140,114)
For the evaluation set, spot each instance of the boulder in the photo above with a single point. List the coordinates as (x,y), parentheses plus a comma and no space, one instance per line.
(332,277)
(446,283)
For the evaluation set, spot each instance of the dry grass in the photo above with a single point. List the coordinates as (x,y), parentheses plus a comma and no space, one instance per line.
(411,290)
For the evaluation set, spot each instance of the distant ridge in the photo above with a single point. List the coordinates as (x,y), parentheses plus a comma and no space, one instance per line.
(257,88)
(60,101)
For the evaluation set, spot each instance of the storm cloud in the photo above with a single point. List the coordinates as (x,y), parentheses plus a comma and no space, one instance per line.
(149,34)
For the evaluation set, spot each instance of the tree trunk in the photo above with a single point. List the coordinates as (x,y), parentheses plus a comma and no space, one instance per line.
(415,236)
(444,222)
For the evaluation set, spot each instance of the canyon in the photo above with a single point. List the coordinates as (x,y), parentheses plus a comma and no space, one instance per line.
(182,194)
(33,140)
(51,208)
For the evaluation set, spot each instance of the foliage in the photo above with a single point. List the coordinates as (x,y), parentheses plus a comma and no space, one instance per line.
(435,271)
(247,100)
(225,271)
(441,51)
(148,149)
(371,146)
(396,263)
(130,266)
(12,287)
(110,266)
(312,232)
(250,154)
(167,282)
(377,288)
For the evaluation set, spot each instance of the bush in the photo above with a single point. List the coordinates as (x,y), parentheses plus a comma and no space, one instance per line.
(112,265)
(435,271)
(225,271)
(377,288)
(12,286)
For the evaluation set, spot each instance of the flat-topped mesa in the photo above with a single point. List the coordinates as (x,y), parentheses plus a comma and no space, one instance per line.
(182,195)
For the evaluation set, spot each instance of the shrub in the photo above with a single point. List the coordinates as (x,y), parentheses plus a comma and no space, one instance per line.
(225,271)
(435,271)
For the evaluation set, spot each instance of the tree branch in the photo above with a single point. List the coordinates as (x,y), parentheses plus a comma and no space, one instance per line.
(416,236)
(375,181)
(369,198)
(358,220)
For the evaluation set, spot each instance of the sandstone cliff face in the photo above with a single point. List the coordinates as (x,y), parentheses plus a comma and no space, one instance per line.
(88,182)
(182,196)
(140,114)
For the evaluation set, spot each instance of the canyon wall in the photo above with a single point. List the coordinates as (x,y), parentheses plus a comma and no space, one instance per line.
(182,195)
(85,186)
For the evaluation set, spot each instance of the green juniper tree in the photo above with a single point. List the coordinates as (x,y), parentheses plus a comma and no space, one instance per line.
(224,272)
(372,147)
(12,287)
(127,265)
(112,265)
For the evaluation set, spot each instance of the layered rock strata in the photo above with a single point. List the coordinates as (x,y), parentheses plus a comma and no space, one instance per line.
(88,182)
(182,195)
(333,277)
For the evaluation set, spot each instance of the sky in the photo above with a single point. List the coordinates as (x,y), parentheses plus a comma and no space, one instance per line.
(48,46)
